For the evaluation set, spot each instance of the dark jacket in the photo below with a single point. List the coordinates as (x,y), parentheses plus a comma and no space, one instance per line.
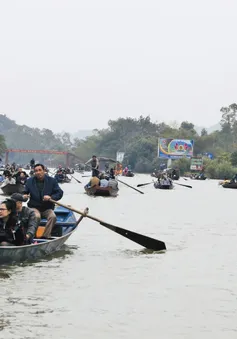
(6,231)
(51,188)
(28,221)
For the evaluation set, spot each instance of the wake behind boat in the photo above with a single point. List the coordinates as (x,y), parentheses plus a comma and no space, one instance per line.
(65,225)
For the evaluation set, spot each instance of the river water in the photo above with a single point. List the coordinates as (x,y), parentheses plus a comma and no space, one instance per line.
(104,286)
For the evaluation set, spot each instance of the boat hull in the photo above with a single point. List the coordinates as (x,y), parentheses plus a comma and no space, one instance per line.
(163,187)
(66,221)
(129,174)
(9,189)
(102,191)
(16,254)
(230,185)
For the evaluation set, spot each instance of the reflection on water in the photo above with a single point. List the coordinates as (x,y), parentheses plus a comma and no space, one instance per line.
(104,286)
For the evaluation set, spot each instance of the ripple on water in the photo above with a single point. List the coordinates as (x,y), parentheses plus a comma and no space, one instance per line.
(104,286)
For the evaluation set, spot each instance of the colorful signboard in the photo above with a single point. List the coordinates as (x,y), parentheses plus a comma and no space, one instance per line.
(196,164)
(175,148)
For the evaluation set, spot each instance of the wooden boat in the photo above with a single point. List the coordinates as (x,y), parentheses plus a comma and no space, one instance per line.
(199,178)
(102,191)
(65,180)
(66,224)
(9,189)
(230,185)
(163,187)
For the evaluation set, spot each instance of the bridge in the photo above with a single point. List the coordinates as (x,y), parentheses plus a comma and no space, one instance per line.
(42,151)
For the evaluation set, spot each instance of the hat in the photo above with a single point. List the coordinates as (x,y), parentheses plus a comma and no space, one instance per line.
(18,197)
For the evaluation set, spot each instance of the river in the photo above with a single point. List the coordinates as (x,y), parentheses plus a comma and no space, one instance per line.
(104,286)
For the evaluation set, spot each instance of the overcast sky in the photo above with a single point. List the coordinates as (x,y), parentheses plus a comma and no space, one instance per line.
(70,65)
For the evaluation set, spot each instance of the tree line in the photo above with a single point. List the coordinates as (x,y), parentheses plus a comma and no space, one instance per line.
(138,138)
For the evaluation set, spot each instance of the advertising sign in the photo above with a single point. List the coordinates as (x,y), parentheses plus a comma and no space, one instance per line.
(175,148)
(196,164)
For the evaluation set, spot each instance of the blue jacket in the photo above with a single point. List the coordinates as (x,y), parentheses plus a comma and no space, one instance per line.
(51,188)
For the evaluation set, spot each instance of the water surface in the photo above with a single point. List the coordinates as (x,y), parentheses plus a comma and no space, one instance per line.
(104,286)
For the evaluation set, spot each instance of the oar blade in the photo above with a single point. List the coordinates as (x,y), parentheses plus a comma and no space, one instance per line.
(148,183)
(143,240)
(183,185)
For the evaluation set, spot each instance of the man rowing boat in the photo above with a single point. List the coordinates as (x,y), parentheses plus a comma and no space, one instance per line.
(94,162)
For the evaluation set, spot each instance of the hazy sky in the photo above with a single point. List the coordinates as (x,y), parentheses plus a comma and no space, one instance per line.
(70,65)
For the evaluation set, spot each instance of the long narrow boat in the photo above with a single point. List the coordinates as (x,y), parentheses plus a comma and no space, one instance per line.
(65,181)
(9,189)
(102,191)
(66,224)
(230,185)
(128,174)
(163,187)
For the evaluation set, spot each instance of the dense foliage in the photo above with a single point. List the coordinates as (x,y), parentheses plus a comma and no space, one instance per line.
(138,138)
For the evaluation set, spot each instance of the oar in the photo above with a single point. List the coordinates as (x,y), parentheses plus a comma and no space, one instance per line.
(129,186)
(86,211)
(183,185)
(143,240)
(79,182)
(148,183)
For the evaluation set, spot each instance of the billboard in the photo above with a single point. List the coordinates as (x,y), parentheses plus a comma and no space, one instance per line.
(196,164)
(175,148)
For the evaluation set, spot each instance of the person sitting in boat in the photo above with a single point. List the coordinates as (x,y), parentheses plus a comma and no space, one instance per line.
(26,218)
(94,162)
(7,172)
(125,171)
(165,181)
(59,176)
(111,173)
(32,163)
(11,233)
(8,181)
(94,181)
(103,182)
(21,179)
(41,189)
(8,222)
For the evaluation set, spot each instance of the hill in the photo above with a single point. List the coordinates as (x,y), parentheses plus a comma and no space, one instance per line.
(24,137)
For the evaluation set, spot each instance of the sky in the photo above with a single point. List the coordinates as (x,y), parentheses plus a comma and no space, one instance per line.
(71,65)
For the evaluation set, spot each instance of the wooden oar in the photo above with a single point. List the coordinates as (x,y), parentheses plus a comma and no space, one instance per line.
(86,211)
(143,240)
(129,186)
(79,182)
(148,183)
(183,185)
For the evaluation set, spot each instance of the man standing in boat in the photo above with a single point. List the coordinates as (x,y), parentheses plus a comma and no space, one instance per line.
(40,189)
(94,162)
